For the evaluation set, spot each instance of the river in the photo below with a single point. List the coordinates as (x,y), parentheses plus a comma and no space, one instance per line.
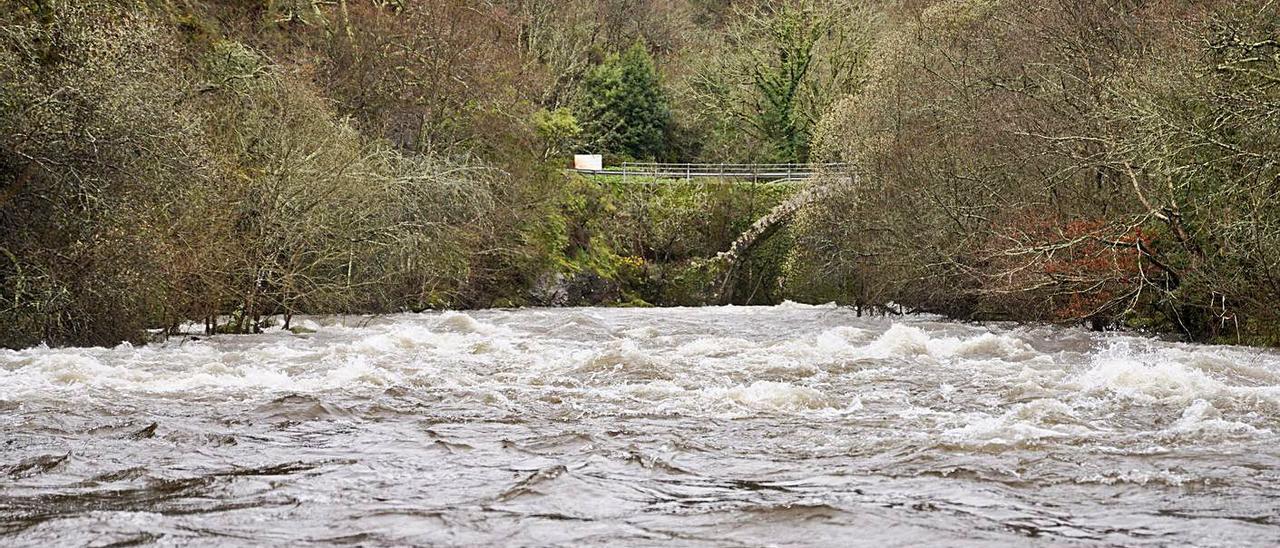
(791,425)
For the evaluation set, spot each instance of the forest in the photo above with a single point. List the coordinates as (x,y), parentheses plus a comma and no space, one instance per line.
(233,163)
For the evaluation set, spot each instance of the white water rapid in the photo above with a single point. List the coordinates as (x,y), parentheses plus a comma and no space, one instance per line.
(791,425)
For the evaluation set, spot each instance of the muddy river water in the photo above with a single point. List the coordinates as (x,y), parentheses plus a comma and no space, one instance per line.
(791,425)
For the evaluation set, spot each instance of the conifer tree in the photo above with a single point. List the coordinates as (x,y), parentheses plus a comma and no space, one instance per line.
(623,108)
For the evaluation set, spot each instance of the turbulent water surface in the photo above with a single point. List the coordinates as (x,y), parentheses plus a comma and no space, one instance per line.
(789,425)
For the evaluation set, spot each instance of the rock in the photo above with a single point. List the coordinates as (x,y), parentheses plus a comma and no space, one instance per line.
(580,289)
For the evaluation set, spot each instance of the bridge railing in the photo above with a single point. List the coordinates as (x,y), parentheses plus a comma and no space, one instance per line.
(662,170)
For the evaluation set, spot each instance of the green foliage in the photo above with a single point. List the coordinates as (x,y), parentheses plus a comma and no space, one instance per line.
(623,108)
(1068,161)
(652,243)
(772,74)
(558,130)
(779,82)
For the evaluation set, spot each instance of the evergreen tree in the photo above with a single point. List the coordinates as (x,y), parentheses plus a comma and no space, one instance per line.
(781,117)
(623,108)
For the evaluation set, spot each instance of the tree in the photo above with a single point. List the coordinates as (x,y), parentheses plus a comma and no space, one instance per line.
(97,152)
(622,107)
(1080,161)
(557,129)
(1195,134)
(780,115)
(775,70)
(436,77)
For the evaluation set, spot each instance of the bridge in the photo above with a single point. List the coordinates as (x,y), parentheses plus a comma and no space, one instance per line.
(656,172)
(820,181)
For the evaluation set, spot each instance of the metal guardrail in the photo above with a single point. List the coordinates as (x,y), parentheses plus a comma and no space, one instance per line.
(658,170)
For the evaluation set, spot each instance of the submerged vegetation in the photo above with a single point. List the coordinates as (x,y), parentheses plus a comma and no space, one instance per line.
(226,162)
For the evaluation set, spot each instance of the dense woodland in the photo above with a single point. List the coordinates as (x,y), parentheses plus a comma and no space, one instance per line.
(1114,163)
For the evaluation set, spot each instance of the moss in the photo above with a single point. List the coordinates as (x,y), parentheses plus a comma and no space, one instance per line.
(690,283)
(509,302)
(633,302)
(654,239)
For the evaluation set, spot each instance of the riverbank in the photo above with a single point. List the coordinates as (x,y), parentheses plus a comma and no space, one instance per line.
(165,161)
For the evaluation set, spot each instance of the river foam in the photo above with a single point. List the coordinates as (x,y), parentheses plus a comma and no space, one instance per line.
(614,417)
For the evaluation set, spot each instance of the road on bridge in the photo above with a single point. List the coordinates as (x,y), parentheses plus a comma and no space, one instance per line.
(754,172)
